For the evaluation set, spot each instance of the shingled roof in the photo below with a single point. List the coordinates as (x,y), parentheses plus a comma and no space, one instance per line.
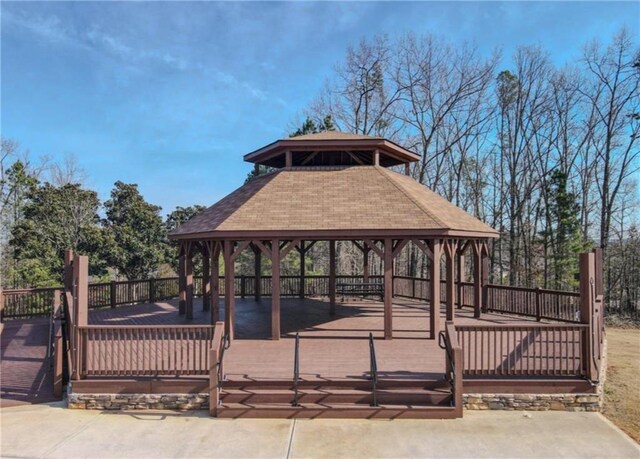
(339,201)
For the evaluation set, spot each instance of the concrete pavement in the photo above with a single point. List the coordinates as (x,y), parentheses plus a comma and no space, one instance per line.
(49,430)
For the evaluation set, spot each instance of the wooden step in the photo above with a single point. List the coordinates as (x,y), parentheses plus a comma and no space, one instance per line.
(338,410)
(334,396)
(330,384)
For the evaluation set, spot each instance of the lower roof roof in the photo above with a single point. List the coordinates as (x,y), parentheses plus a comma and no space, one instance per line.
(365,199)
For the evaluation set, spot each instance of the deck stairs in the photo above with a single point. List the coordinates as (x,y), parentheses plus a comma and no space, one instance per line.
(337,398)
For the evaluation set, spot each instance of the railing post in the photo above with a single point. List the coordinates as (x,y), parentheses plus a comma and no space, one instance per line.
(587,268)
(242,286)
(538,305)
(213,382)
(152,290)
(112,294)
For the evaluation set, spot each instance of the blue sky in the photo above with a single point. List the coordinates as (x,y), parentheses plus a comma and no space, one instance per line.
(171,95)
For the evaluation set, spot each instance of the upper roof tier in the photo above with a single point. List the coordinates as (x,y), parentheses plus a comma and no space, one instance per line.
(332,148)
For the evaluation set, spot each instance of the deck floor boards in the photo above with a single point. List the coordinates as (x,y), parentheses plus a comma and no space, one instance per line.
(331,347)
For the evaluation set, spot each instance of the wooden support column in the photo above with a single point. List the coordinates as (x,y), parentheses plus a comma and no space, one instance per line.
(214,250)
(257,273)
(303,257)
(434,271)
(477,279)
(388,288)
(450,252)
(81,281)
(188,269)
(206,279)
(68,270)
(182,285)
(484,257)
(461,278)
(587,300)
(365,263)
(275,289)
(229,289)
(332,277)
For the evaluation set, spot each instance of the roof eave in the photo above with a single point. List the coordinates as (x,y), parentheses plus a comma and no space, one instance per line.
(336,234)
(280,146)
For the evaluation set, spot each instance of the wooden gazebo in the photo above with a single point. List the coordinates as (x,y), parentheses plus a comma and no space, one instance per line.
(327,187)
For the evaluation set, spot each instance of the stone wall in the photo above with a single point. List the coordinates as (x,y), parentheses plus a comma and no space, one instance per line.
(533,402)
(138,401)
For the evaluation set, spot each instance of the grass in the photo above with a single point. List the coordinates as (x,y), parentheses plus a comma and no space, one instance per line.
(621,390)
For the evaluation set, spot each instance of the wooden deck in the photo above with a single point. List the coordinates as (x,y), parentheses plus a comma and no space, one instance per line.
(331,347)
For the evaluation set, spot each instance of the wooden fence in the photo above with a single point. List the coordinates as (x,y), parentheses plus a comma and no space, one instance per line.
(532,349)
(28,302)
(152,350)
(539,303)
(534,302)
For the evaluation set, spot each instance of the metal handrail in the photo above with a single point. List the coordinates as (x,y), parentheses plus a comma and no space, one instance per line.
(296,370)
(443,343)
(373,370)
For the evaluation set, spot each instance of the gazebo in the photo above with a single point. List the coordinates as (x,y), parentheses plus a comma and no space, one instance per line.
(332,186)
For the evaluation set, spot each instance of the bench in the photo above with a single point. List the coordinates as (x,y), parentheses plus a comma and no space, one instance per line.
(360,289)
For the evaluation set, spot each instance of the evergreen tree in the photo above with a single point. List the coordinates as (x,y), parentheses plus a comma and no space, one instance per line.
(55,219)
(136,233)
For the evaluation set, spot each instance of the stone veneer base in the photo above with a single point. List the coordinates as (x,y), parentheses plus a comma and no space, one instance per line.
(138,401)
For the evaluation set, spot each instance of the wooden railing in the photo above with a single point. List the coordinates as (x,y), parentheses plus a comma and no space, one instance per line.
(152,350)
(531,302)
(532,349)
(419,289)
(534,302)
(538,303)
(28,302)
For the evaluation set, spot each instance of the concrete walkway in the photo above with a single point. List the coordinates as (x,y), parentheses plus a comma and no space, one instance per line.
(50,430)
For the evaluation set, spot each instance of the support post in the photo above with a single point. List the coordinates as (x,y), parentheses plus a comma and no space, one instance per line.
(332,277)
(113,294)
(206,280)
(461,279)
(188,268)
(477,280)
(303,257)
(434,271)
(152,290)
(388,288)
(484,256)
(275,289)
(587,290)
(182,285)
(257,272)
(68,270)
(229,289)
(81,277)
(451,285)
(215,281)
(365,263)
(213,382)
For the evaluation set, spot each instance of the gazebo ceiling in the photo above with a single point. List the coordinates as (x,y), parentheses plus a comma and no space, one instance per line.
(365,201)
(332,148)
